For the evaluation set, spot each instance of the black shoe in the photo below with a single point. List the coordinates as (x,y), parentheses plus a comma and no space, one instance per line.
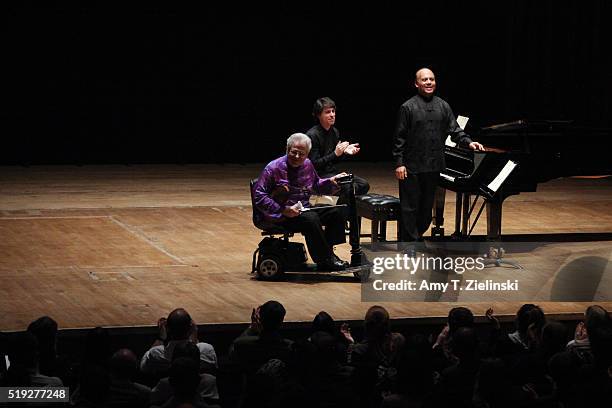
(331,266)
(337,259)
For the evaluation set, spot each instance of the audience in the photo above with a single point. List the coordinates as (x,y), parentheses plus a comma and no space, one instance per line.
(531,366)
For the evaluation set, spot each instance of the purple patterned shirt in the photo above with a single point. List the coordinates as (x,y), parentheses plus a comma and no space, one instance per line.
(280,185)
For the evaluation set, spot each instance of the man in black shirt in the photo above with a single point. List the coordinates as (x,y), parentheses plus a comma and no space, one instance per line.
(423,123)
(327,149)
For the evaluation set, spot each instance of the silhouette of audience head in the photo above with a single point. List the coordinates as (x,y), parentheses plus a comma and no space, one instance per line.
(123,364)
(271,315)
(178,324)
(459,317)
(376,323)
(324,322)
(97,347)
(527,315)
(45,330)
(596,316)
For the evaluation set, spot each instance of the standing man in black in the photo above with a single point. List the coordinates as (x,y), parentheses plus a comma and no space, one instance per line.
(423,123)
(327,149)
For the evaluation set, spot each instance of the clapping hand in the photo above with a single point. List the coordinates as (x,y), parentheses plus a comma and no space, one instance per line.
(490,317)
(581,332)
(255,320)
(345,330)
(340,148)
(352,149)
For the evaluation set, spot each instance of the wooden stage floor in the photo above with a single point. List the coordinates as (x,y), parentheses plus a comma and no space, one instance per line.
(124,245)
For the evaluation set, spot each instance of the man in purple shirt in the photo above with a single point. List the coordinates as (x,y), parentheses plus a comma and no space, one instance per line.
(285,185)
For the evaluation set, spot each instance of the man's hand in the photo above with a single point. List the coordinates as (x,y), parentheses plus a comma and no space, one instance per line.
(337,176)
(345,330)
(476,146)
(290,212)
(401,173)
(580,333)
(352,149)
(443,337)
(491,317)
(255,320)
(340,148)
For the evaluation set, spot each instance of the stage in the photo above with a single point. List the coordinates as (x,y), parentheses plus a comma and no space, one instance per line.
(121,245)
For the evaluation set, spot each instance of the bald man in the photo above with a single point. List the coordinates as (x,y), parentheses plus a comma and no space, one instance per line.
(423,123)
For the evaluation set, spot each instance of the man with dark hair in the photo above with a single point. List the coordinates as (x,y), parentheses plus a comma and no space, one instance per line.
(262,340)
(45,330)
(328,149)
(459,317)
(423,123)
(271,316)
(177,328)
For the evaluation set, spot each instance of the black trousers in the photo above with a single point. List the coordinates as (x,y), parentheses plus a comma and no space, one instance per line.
(322,229)
(416,193)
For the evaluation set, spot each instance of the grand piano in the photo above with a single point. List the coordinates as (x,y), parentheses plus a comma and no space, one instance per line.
(542,150)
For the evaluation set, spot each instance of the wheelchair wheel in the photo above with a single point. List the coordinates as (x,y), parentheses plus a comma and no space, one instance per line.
(269,267)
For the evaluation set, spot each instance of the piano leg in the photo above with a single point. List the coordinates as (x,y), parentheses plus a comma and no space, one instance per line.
(465,218)
(458,212)
(438,213)
(494,218)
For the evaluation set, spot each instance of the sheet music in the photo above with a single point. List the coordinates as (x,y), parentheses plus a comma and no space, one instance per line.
(502,176)
(446,176)
(461,121)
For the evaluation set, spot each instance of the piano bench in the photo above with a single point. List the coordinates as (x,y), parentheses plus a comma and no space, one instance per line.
(379,208)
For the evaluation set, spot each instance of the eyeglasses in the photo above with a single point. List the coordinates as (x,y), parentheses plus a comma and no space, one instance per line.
(297,153)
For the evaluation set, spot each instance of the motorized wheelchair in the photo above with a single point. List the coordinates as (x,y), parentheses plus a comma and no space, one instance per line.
(275,254)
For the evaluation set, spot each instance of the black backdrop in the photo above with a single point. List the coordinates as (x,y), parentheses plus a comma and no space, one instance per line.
(146,82)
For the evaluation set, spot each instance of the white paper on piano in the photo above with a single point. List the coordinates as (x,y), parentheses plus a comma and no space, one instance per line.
(461,121)
(502,176)
(447,177)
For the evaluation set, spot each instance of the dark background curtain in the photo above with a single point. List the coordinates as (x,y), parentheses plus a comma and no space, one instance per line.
(172,82)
